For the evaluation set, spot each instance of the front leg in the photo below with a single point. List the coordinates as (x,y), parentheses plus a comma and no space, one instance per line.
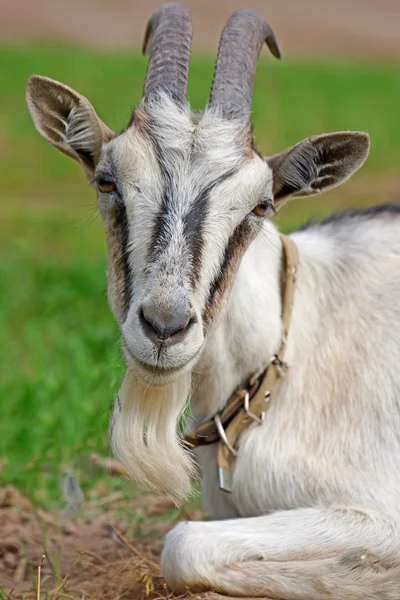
(313,553)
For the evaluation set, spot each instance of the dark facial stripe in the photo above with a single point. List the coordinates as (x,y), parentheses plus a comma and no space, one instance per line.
(193,220)
(141,119)
(119,271)
(160,222)
(158,239)
(237,244)
(194,224)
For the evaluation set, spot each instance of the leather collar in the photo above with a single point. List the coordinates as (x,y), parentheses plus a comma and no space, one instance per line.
(250,403)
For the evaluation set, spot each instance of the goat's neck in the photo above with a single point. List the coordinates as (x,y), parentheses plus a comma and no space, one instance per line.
(248,331)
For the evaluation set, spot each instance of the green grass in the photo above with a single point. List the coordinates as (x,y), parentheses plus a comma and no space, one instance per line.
(59,349)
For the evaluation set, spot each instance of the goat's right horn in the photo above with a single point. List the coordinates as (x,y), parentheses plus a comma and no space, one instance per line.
(169,35)
(240,45)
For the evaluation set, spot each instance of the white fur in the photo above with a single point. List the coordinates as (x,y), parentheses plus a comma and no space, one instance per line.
(331,438)
(314,510)
(144,434)
(319,476)
(77,133)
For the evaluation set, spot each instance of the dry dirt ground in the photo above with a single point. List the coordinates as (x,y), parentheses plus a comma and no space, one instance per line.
(362,28)
(86,558)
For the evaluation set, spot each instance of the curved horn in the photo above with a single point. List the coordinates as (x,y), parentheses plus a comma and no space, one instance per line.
(169,37)
(239,48)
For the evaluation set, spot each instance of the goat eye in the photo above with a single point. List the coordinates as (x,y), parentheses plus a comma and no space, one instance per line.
(106,185)
(261,209)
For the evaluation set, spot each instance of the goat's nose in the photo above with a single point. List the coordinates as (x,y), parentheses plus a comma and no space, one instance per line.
(169,326)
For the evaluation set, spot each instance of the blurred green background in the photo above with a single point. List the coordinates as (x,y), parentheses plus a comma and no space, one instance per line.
(59,345)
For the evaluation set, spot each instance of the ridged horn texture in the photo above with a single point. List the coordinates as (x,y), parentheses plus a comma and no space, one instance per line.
(240,45)
(169,37)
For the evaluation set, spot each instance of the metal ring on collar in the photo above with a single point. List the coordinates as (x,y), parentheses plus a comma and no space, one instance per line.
(222,435)
(248,411)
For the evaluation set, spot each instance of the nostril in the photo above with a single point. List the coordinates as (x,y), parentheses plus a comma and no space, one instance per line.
(165,327)
(147,323)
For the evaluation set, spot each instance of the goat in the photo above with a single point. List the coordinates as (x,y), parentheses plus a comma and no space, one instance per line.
(196,272)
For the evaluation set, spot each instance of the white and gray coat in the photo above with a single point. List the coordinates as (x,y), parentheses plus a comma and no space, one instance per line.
(195,284)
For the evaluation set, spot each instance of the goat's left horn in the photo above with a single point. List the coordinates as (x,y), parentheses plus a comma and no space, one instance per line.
(240,45)
(169,36)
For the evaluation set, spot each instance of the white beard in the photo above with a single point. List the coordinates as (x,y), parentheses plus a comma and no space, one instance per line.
(144,437)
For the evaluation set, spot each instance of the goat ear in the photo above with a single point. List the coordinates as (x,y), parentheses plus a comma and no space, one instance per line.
(317,164)
(67,120)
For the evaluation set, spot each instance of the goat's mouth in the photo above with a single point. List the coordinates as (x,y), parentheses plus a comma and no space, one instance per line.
(158,369)
(159,374)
